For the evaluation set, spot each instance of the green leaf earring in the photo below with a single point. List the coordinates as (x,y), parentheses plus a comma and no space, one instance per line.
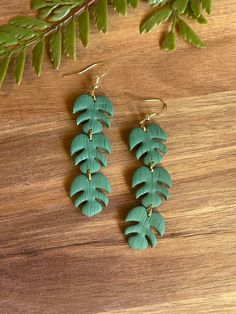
(87,148)
(151,182)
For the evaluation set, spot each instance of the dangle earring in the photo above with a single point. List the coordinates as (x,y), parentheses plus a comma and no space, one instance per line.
(88,147)
(151,182)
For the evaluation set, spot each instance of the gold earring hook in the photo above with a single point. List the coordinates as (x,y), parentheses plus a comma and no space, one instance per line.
(97,77)
(151,115)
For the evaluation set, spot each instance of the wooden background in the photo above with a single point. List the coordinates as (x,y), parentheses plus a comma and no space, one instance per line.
(53,259)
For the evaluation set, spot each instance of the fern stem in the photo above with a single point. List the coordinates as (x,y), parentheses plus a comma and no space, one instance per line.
(54,27)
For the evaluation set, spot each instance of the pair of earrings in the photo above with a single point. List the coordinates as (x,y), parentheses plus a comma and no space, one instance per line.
(151,180)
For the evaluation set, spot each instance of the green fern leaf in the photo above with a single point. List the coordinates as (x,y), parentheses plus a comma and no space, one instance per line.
(83,21)
(22,34)
(157,2)
(89,152)
(93,113)
(141,234)
(196,7)
(55,49)
(100,15)
(180,5)
(120,6)
(29,22)
(149,143)
(20,65)
(37,56)
(59,13)
(91,199)
(169,43)
(7,40)
(189,35)
(155,19)
(3,68)
(206,4)
(69,39)
(154,185)
(133,3)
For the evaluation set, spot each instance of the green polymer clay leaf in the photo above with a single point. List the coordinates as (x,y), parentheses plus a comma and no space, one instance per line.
(100,14)
(141,234)
(93,113)
(154,185)
(169,43)
(155,19)
(29,22)
(20,65)
(55,44)
(91,198)
(83,22)
(37,56)
(120,6)
(149,144)
(69,39)
(180,5)
(89,153)
(189,35)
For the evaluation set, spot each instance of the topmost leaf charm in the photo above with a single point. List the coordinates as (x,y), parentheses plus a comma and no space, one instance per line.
(93,113)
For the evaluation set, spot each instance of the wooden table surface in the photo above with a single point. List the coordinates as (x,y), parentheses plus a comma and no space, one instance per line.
(55,260)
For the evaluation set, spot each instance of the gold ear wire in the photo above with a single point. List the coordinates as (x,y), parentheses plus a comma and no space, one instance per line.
(97,77)
(151,115)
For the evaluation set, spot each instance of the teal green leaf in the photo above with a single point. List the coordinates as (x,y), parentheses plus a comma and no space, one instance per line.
(89,153)
(3,68)
(196,7)
(7,40)
(22,34)
(153,185)
(141,234)
(45,12)
(20,65)
(169,43)
(37,56)
(69,39)
(189,35)
(120,6)
(100,15)
(149,144)
(29,22)
(55,49)
(206,4)
(180,5)
(91,198)
(60,13)
(133,3)
(155,19)
(83,22)
(93,113)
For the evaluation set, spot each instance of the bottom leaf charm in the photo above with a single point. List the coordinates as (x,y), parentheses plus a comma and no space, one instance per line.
(141,233)
(91,198)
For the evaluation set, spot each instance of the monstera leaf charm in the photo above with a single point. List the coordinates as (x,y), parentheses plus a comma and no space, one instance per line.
(141,233)
(93,112)
(91,197)
(89,153)
(149,143)
(153,185)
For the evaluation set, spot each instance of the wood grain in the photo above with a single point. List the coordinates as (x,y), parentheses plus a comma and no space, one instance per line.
(53,259)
